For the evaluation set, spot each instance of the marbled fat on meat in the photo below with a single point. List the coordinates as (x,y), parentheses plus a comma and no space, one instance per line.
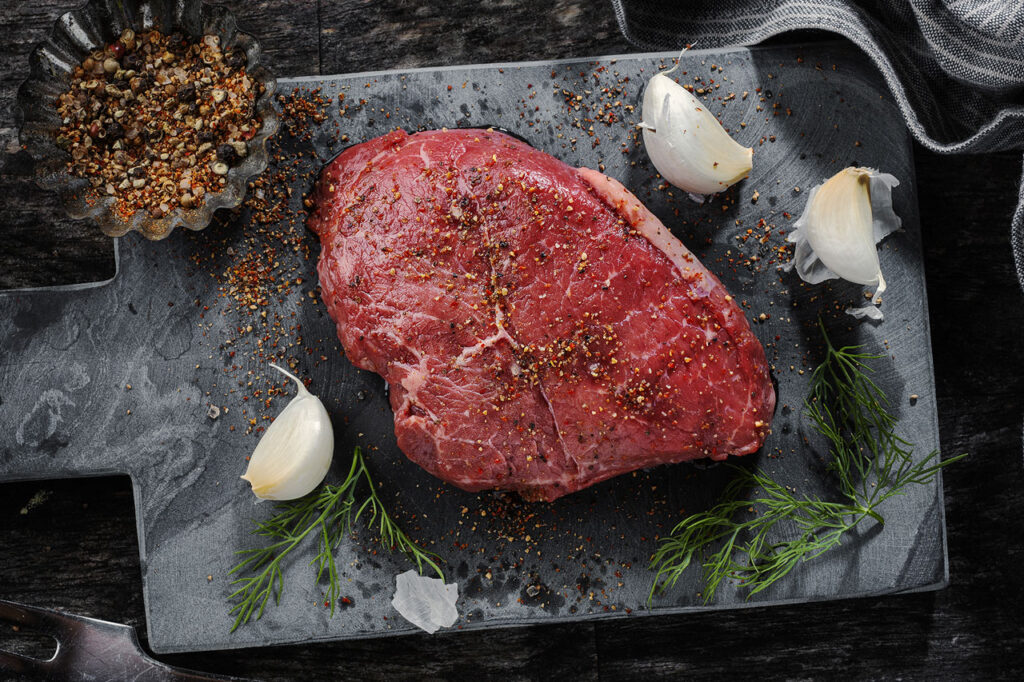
(539,328)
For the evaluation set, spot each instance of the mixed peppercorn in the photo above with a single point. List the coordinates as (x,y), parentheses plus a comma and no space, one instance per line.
(156,121)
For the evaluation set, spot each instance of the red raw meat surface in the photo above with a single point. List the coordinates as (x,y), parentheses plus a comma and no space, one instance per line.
(540,330)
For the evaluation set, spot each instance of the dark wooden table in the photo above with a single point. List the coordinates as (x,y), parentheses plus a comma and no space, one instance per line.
(72,544)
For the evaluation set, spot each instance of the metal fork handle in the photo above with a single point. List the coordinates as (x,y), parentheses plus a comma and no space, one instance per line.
(87,649)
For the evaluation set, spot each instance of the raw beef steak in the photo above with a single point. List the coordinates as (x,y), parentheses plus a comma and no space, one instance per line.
(539,328)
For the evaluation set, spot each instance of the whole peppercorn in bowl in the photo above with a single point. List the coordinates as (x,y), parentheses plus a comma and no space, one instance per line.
(147,115)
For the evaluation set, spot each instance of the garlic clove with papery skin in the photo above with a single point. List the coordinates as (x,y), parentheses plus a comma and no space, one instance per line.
(845,217)
(686,143)
(294,454)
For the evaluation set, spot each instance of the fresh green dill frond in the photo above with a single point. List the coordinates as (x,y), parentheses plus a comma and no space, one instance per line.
(759,541)
(329,514)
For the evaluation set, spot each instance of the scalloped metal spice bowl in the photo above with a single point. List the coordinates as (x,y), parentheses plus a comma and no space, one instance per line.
(94,26)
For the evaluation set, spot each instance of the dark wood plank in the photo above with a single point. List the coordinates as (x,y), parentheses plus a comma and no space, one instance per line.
(71,545)
(364,35)
(31,222)
(77,550)
(287,31)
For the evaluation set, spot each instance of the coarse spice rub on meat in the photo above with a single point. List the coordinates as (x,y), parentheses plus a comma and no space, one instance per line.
(540,330)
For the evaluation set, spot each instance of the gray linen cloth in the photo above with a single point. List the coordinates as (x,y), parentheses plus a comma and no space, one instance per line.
(955,67)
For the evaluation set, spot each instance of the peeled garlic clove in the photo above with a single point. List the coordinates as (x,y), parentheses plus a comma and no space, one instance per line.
(293,456)
(845,217)
(425,602)
(686,143)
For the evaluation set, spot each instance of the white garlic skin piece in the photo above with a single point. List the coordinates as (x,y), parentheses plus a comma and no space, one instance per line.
(427,603)
(293,456)
(686,143)
(845,217)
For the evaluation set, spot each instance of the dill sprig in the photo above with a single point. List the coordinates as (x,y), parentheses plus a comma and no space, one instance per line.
(871,464)
(327,514)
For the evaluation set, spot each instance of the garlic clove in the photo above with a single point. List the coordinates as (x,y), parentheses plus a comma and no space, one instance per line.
(294,454)
(845,217)
(686,143)
(839,226)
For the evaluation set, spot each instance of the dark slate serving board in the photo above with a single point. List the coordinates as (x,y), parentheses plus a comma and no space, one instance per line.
(169,326)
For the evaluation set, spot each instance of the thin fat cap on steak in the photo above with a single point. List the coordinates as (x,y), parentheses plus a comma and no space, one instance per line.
(539,328)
